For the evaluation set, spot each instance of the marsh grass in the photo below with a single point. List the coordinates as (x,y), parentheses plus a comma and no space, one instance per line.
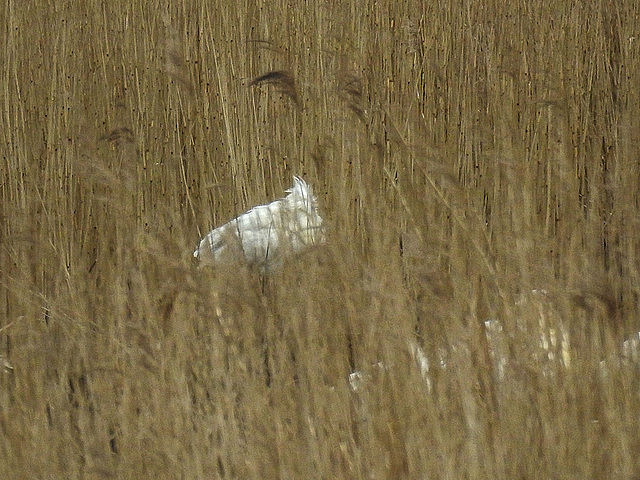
(463,155)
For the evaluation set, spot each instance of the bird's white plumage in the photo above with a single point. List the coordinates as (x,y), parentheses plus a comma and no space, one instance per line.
(265,234)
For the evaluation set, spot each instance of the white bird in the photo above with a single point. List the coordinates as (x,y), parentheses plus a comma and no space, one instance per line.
(265,234)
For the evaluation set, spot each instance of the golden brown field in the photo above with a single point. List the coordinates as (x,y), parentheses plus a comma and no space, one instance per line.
(464,154)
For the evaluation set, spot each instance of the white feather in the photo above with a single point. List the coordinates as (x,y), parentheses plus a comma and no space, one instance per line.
(267,233)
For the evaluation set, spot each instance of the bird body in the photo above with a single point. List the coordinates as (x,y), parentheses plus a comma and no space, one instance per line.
(266,234)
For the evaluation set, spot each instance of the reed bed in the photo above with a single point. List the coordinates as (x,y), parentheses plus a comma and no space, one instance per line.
(476,164)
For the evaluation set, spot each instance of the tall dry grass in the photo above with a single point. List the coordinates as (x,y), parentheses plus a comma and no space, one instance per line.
(464,154)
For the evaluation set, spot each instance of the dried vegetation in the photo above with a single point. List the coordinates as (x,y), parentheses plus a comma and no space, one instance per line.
(477,167)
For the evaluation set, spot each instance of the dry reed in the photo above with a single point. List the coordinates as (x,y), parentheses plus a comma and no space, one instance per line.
(464,155)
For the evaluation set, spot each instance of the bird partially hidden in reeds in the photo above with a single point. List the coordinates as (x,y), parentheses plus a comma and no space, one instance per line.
(267,234)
